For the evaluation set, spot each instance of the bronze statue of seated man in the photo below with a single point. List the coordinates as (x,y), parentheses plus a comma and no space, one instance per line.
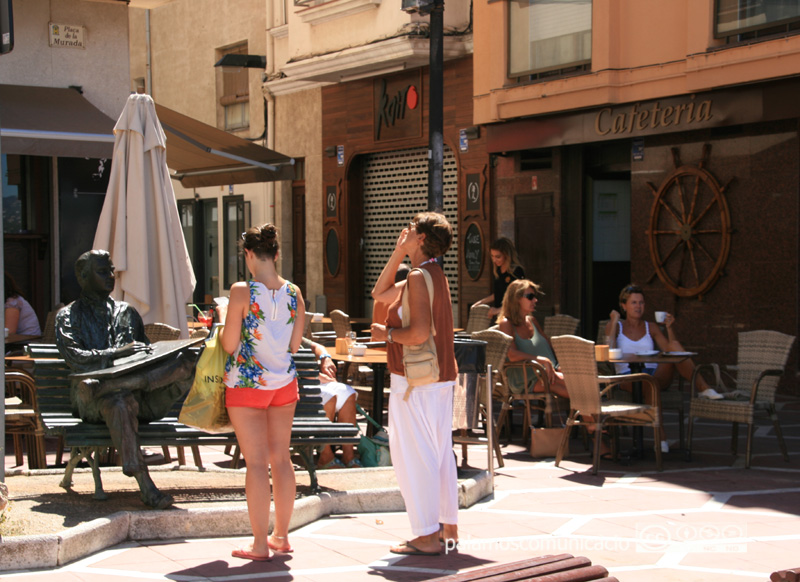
(94,331)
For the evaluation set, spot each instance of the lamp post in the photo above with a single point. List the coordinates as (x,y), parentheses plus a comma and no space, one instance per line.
(436,98)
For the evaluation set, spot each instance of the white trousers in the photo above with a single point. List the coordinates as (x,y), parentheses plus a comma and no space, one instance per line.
(420,440)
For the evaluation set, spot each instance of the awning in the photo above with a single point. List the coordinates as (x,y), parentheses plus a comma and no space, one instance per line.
(51,121)
(202,155)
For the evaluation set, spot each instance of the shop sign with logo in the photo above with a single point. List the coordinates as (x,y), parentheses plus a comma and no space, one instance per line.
(397,101)
(67,35)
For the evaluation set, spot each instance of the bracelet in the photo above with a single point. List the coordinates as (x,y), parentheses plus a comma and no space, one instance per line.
(389,334)
(323,356)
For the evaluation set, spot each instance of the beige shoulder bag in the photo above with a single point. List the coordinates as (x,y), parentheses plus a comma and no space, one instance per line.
(421,362)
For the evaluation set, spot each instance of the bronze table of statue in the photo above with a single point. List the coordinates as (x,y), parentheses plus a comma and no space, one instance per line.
(93,334)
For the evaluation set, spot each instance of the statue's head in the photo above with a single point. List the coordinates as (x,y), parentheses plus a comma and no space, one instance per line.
(95,272)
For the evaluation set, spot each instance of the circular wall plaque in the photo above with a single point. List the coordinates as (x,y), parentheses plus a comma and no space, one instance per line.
(473,251)
(332,252)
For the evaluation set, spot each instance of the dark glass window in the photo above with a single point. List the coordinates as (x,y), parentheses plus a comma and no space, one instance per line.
(737,17)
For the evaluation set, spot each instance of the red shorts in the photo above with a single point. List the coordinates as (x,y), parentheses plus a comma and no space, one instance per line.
(255,398)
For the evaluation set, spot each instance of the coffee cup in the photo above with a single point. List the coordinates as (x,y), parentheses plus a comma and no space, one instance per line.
(614,354)
(601,353)
(661,316)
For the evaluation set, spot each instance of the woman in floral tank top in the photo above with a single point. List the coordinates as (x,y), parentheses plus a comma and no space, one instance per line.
(263,328)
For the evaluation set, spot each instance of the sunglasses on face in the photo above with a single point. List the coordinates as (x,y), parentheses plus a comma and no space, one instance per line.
(530,296)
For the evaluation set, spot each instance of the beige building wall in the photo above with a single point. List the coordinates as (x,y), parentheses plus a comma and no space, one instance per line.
(101,68)
(640,51)
(185,40)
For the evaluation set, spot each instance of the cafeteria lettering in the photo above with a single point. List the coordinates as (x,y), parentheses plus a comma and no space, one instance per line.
(637,119)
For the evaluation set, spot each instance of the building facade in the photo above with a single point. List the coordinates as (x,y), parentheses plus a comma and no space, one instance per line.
(654,143)
(62,88)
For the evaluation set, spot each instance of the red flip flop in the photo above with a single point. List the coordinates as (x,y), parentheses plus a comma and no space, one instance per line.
(247,555)
(274,548)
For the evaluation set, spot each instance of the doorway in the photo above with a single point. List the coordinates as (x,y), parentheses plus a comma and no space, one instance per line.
(608,202)
(199,220)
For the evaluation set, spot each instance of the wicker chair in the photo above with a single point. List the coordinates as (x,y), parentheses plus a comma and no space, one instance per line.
(199,332)
(479,318)
(22,418)
(497,344)
(159,332)
(49,331)
(351,373)
(587,390)
(761,360)
(671,398)
(560,324)
(532,373)
(341,323)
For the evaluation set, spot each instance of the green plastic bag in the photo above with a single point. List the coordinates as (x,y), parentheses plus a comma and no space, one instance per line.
(374,451)
(204,407)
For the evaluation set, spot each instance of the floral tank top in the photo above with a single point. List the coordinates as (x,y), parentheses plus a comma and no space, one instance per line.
(263,359)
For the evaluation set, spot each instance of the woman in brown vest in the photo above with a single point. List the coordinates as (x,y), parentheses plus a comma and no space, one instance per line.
(420,421)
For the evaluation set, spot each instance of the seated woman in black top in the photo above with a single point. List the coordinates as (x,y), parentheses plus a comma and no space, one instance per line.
(505,268)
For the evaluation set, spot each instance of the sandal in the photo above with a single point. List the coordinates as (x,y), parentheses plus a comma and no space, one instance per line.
(334,463)
(287,549)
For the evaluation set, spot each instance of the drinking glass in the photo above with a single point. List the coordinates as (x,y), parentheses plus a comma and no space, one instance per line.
(351,339)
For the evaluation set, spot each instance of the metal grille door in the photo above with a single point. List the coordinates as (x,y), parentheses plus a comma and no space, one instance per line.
(396,189)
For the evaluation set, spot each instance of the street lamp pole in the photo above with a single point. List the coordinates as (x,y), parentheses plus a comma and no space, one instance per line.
(436,110)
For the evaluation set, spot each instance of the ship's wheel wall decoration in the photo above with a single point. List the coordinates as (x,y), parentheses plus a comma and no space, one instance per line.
(690,228)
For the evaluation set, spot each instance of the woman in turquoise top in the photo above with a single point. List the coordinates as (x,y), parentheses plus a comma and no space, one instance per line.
(516,319)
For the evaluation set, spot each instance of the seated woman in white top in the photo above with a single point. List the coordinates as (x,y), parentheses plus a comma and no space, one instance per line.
(20,316)
(633,334)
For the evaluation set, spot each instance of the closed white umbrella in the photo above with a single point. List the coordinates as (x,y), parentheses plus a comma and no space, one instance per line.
(140,225)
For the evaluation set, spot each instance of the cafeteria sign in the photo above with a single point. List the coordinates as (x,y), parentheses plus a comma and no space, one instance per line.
(66,35)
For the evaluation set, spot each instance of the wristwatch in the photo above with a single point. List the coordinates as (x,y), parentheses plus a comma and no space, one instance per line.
(389,334)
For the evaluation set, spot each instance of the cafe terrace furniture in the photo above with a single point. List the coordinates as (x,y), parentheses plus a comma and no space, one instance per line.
(342,326)
(376,359)
(760,363)
(200,332)
(341,323)
(497,344)
(532,373)
(671,399)
(22,418)
(588,393)
(557,568)
(479,318)
(49,331)
(159,332)
(560,324)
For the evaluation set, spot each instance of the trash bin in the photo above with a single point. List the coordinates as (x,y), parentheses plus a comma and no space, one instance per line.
(471,359)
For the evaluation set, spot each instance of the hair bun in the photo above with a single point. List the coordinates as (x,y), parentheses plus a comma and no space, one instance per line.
(268,233)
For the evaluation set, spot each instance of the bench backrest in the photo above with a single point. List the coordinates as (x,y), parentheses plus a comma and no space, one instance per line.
(53,383)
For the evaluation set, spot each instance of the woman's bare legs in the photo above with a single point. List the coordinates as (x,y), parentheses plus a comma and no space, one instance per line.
(279,435)
(346,414)
(250,425)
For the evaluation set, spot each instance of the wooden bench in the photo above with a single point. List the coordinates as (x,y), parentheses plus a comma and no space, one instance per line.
(310,429)
(559,568)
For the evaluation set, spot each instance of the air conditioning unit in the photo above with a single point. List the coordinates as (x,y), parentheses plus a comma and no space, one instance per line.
(421,6)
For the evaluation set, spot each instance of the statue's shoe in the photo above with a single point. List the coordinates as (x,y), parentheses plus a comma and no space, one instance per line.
(157,500)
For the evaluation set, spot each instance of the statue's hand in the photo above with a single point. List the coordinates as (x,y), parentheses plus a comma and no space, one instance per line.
(130,349)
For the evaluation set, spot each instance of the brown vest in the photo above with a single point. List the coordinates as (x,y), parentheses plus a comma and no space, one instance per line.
(442,321)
